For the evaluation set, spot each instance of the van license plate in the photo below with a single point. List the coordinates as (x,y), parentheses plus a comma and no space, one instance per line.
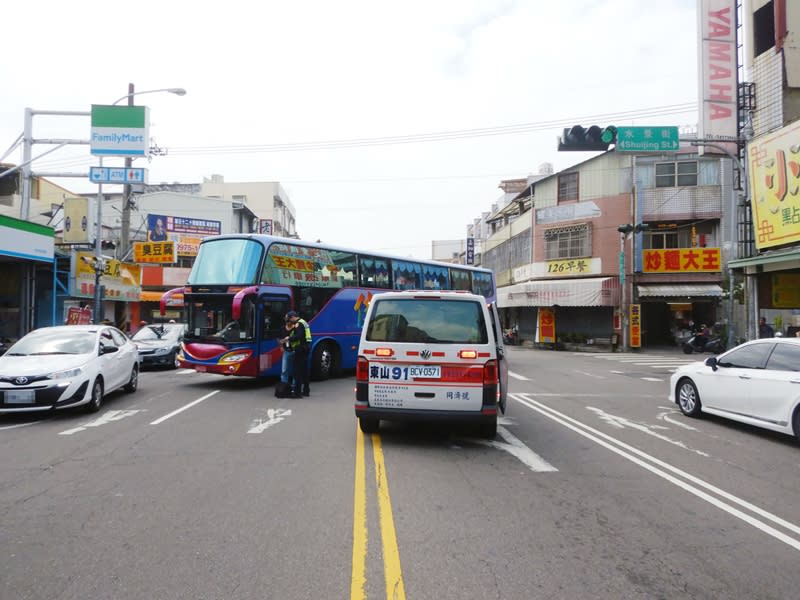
(425,371)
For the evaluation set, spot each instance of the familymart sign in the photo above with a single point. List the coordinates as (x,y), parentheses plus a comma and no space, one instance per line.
(120,130)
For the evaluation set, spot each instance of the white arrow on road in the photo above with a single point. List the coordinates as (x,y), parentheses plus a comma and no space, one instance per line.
(274,416)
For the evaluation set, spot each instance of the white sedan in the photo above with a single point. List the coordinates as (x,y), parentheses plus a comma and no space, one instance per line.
(66,366)
(757,383)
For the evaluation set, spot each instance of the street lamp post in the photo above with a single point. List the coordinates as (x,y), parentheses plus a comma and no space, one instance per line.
(99,264)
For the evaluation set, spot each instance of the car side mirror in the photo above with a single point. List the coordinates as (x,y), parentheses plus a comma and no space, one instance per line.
(108,349)
(711,361)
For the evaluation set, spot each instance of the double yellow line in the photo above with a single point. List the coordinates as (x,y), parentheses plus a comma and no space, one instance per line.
(392,572)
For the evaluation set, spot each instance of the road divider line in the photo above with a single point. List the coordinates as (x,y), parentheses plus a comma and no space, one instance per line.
(660,468)
(392,572)
(183,408)
(358,577)
(517,376)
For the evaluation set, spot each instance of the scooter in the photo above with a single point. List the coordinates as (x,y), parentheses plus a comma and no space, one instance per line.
(694,344)
(510,337)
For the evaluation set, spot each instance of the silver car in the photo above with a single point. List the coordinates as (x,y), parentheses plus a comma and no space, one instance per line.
(160,345)
(67,366)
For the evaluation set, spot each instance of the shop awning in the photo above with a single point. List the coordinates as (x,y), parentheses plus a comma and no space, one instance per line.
(682,290)
(150,296)
(591,291)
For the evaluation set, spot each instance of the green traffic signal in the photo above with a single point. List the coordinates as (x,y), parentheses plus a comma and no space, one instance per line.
(609,135)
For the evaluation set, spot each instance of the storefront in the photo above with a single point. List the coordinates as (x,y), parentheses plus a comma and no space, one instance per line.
(580,307)
(669,310)
(27,300)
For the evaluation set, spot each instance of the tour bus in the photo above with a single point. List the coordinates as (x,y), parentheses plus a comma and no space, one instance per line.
(242,285)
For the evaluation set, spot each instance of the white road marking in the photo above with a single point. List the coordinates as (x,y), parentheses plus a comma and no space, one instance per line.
(590,375)
(183,408)
(516,376)
(622,423)
(185,371)
(19,425)
(670,473)
(666,416)
(618,372)
(650,379)
(514,446)
(274,416)
(106,417)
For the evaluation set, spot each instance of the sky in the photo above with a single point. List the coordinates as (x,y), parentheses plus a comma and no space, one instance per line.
(389,124)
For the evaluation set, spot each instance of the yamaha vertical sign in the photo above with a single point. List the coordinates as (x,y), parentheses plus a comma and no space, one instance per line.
(470,250)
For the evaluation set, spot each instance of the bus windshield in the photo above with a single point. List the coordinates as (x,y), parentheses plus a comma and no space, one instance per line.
(211,320)
(226,262)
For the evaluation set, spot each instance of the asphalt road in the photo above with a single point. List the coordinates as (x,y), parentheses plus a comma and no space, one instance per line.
(202,487)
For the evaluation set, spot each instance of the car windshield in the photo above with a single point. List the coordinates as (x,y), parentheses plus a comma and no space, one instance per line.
(48,341)
(158,332)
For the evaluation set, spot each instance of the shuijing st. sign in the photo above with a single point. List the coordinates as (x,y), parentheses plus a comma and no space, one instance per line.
(120,131)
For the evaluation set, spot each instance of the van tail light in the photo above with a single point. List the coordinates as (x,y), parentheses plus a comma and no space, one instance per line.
(362,369)
(467,354)
(384,352)
(490,375)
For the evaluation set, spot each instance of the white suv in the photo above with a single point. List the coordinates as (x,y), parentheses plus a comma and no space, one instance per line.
(431,355)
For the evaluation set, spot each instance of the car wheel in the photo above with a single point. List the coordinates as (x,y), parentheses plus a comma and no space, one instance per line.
(323,361)
(368,425)
(133,382)
(488,430)
(796,423)
(97,396)
(688,398)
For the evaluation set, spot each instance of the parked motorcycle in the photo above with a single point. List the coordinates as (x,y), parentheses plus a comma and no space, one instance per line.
(695,344)
(510,337)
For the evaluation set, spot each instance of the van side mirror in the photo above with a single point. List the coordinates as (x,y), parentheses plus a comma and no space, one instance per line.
(711,361)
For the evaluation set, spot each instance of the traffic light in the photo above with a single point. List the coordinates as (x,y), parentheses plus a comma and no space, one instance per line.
(578,138)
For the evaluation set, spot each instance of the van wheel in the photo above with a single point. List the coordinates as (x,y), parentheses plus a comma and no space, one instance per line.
(323,361)
(488,430)
(368,425)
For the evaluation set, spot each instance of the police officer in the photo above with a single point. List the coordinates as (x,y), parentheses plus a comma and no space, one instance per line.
(300,342)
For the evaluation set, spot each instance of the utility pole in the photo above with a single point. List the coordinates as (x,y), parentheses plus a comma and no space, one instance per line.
(126,195)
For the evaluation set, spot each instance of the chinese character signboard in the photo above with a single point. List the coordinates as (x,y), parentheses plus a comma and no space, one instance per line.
(547,326)
(636,325)
(186,232)
(122,281)
(774,162)
(785,290)
(78,316)
(470,250)
(265,226)
(308,267)
(155,252)
(681,260)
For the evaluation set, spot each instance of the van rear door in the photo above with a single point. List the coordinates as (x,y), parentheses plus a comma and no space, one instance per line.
(502,360)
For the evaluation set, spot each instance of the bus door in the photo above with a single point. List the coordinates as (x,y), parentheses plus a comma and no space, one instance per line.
(272,309)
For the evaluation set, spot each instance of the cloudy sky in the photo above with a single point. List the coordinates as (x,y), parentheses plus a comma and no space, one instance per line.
(389,124)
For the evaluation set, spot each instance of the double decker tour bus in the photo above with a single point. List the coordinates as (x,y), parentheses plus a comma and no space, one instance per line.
(242,285)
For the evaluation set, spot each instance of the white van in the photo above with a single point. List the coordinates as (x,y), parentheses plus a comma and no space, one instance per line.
(431,355)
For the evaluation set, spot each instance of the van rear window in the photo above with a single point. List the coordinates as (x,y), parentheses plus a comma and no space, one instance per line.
(427,321)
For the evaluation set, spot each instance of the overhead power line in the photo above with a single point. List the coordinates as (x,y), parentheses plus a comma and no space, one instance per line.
(687,107)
